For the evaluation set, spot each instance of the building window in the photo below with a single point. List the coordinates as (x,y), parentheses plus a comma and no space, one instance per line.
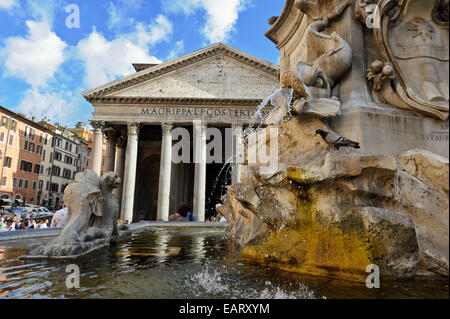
(47,186)
(2,136)
(20,183)
(25,145)
(45,140)
(14,182)
(13,125)
(7,162)
(58,156)
(37,168)
(42,170)
(41,184)
(43,155)
(56,171)
(39,150)
(25,166)
(25,184)
(34,185)
(54,187)
(11,140)
(31,147)
(4,181)
(5,121)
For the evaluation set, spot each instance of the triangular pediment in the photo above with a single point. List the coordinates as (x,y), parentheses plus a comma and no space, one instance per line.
(216,72)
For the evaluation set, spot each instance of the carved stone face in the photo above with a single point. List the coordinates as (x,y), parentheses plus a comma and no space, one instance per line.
(111,180)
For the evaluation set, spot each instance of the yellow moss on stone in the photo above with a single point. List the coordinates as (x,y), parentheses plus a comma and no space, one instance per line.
(313,249)
(301,175)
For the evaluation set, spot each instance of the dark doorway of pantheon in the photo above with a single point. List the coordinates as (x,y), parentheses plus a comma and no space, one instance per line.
(218,177)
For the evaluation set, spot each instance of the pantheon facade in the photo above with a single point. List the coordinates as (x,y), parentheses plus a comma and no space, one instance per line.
(216,87)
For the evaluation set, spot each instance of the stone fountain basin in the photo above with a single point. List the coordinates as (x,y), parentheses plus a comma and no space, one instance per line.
(124,236)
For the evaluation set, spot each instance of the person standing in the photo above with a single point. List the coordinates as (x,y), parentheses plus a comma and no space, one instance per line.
(9,226)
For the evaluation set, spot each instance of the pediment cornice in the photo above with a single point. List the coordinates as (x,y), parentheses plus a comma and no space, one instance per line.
(173,101)
(179,63)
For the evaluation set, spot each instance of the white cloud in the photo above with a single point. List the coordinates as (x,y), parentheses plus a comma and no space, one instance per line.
(176,51)
(187,7)
(106,60)
(35,58)
(157,31)
(120,10)
(7,4)
(54,106)
(221,16)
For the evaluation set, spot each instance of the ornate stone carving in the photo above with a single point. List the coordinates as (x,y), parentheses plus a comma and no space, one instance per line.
(200,129)
(272,20)
(364,11)
(110,134)
(312,91)
(166,128)
(334,53)
(133,128)
(121,141)
(378,72)
(97,125)
(413,38)
(92,212)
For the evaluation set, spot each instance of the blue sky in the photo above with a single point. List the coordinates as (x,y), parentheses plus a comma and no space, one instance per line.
(44,65)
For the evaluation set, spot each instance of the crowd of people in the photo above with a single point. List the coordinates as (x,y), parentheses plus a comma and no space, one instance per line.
(184,213)
(24,221)
(13,223)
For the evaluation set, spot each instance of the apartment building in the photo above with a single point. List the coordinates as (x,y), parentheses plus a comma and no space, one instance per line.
(85,135)
(22,144)
(63,163)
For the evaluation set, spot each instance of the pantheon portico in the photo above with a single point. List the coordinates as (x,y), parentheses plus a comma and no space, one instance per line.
(216,87)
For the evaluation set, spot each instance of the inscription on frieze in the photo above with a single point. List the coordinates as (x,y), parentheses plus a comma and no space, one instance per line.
(200,112)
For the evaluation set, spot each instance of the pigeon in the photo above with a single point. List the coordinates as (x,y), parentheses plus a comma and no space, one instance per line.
(336,140)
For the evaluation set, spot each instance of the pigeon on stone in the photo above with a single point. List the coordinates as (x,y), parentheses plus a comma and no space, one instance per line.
(336,140)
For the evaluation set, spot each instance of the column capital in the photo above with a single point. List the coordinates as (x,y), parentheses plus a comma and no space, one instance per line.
(200,128)
(237,129)
(110,134)
(166,128)
(97,124)
(133,128)
(121,141)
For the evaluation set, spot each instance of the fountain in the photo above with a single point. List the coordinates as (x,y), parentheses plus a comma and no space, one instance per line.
(92,213)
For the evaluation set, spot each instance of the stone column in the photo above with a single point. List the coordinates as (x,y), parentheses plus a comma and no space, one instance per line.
(165,173)
(120,164)
(111,141)
(200,171)
(97,146)
(130,173)
(238,153)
